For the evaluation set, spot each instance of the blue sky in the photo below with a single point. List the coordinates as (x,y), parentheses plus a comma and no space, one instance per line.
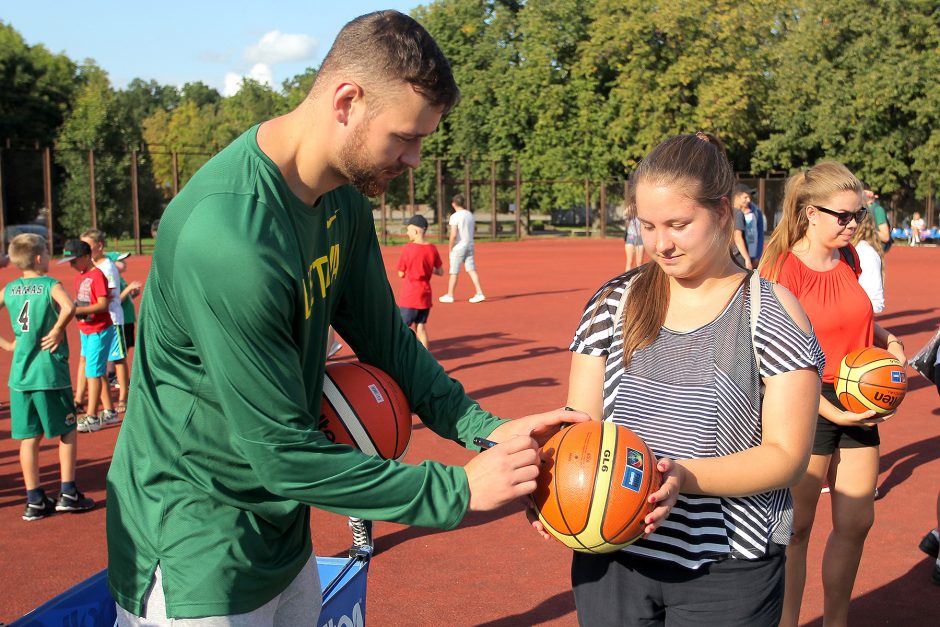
(176,42)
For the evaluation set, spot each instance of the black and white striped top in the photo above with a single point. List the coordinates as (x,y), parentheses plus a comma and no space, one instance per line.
(698,394)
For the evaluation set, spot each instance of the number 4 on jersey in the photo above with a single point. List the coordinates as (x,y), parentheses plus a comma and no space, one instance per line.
(23,318)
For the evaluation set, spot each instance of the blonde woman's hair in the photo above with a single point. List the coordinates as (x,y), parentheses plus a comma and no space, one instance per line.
(867,232)
(810,187)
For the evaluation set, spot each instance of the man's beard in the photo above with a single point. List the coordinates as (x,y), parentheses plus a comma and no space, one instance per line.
(355,167)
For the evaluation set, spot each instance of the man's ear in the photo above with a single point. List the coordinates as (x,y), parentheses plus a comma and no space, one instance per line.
(346,97)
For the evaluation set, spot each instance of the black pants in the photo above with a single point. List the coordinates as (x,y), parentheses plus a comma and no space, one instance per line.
(619,589)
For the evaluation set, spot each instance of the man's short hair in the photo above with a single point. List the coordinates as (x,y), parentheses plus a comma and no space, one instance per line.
(387,45)
(94,235)
(459,200)
(24,248)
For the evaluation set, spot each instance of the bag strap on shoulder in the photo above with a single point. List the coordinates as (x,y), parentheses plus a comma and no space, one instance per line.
(754,289)
(846,253)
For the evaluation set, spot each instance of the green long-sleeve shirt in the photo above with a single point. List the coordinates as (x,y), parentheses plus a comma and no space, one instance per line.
(219,454)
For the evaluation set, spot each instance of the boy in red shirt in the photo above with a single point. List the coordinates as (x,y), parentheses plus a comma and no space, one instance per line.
(419,260)
(96,331)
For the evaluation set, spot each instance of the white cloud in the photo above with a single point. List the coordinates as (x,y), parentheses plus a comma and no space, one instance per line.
(277,47)
(259,72)
(233,81)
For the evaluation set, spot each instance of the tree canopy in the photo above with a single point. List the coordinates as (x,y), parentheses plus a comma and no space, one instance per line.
(571,89)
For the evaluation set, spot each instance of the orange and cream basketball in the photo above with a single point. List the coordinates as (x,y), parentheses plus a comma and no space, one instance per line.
(871,379)
(592,493)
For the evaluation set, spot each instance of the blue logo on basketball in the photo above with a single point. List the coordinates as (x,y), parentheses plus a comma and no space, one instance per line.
(632,479)
(897,377)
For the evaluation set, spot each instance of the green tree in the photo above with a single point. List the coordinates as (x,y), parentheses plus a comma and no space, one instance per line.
(856,81)
(200,93)
(675,67)
(253,103)
(36,88)
(296,88)
(189,131)
(36,92)
(94,123)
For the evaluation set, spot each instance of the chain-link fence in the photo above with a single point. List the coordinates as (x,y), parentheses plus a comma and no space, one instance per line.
(64,190)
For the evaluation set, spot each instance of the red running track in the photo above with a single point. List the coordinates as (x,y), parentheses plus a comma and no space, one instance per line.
(511,354)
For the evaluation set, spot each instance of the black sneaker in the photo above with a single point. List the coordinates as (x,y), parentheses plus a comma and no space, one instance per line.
(35,511)
(77,502)
(930,545)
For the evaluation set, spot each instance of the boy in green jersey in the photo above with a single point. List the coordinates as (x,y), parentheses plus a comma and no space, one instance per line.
(269,243)
(40,387)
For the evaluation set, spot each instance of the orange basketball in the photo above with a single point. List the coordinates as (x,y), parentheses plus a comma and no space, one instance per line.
(363,407)
(871,379)
(592,494)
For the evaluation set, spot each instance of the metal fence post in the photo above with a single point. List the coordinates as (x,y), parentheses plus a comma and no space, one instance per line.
(135,201)
(518,201)
(587,208)
(176,173)
(382,220)
(47,193)
(493,224)
(91,189)
(440,200)
(3,209)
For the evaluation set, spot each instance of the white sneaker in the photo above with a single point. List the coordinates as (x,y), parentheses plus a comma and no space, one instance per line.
(108,417)
(477,298)
(88,424)
(446,298)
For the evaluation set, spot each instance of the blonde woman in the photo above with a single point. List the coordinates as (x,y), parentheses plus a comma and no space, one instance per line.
(731,431)
(871,256)
(810,254)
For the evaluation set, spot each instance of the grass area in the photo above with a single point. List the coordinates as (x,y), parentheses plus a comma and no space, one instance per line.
(129,246)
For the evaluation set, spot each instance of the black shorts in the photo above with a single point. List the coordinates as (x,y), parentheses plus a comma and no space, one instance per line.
(129,334)
(830,436)
(621,589)
(414,316)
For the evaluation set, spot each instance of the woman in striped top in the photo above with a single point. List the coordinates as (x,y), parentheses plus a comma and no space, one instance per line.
(680,368)
(810,255)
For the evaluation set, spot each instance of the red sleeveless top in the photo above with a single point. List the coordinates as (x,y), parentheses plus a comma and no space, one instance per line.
(836,305)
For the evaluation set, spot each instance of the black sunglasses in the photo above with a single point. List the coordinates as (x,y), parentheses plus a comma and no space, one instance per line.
(844,217)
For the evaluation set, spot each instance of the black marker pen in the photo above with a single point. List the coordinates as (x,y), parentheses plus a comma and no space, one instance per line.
(483,443)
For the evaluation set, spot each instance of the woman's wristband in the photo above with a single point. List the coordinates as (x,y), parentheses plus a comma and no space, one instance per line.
(894,341)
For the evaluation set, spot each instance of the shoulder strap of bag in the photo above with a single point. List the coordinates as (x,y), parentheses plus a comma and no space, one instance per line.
(754,290)
(846,253)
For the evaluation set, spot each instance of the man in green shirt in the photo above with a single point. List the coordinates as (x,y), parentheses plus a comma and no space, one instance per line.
(219,454)
(881,218)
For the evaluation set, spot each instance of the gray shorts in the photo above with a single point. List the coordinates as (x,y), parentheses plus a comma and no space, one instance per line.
(462,256)
(299,604)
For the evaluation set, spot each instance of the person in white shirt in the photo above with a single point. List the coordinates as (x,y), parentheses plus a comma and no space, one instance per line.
(871,256)
(462,227)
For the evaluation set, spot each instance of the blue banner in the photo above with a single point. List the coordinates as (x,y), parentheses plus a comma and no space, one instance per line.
(89,603)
